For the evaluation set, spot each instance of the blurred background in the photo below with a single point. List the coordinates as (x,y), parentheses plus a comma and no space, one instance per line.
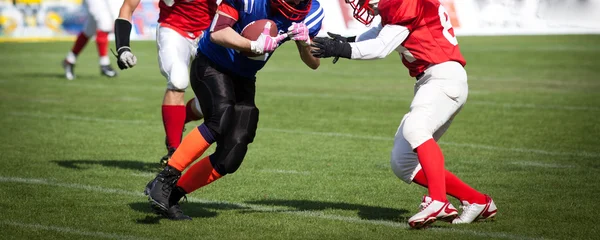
(35,20)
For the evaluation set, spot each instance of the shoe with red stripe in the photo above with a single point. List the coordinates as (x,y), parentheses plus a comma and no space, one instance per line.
(432,210)
(476,212)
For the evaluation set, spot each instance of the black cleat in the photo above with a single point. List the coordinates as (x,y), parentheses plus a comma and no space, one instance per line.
(108,71)
(175,213)
(165,159)
(69,69)
(161,188)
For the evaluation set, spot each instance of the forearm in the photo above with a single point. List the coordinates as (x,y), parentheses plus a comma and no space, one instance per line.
(126,11)
(389,38)
(229,38)
(307,57)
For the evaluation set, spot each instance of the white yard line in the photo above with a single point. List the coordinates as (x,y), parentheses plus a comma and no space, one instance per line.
(326,134)
(285,171)
(409,98)
(541,164)
(68,230)
(260,208)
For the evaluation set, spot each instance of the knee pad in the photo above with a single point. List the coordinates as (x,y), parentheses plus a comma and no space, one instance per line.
(232,158)
(416,130)
(403,160)
(178,76)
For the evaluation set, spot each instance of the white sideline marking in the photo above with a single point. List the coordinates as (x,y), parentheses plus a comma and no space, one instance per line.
(69,230)
(260,208)
(541,164)
(285,171)
(327,134)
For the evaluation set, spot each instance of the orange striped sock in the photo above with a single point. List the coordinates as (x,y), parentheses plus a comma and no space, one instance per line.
(199,175)
(191,148)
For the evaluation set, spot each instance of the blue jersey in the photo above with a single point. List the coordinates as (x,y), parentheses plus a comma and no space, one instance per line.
(249,11)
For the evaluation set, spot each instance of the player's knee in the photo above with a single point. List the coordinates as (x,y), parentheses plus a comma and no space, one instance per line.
(233,159)
(403,162)
(178,76)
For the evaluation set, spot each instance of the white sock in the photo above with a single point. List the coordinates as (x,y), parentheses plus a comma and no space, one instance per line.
(71,57)
(104,61)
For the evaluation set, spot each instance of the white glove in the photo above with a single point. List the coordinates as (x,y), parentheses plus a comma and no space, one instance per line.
(265,43)
(126,59)
(169,2)
(299,33)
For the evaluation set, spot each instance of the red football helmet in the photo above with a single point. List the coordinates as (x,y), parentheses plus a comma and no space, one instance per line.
(363,12)
(293,13)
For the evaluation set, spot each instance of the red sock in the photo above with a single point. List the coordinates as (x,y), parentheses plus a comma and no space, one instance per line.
(80,43)
(455,188)
(432,160)
(102,43)
(174,121)
(199,175)
(189,113)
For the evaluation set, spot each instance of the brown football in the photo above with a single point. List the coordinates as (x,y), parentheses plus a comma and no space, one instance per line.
(253,30)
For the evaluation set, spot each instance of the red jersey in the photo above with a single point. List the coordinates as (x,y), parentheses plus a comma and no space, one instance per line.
(188,16)
(431,39)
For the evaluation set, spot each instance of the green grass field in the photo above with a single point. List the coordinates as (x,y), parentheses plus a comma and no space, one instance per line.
(76,155)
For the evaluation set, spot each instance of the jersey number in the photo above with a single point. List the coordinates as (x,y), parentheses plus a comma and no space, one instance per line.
(445,20)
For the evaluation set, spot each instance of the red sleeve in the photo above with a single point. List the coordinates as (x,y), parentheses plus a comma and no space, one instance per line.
(228,10)
(399,12)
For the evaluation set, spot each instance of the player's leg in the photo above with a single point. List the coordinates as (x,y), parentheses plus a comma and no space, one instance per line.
(173,60)
(193,112)
(216,94)
(439,95)
(100,11)
(82,39)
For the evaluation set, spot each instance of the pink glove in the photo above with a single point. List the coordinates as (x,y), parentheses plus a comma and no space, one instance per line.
(299,32)
(265,43)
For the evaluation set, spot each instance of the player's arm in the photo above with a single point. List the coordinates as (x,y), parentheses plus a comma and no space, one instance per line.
(308,59)
(388,39)
(223,34)
(301,34)
(125,59)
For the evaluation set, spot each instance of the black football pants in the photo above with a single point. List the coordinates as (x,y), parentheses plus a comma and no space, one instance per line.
(227,101)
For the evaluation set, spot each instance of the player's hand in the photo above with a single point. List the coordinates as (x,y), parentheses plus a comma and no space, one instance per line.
(126,59)
(265,43)
(299,33)
(169,2)
(338,37)
(327,47)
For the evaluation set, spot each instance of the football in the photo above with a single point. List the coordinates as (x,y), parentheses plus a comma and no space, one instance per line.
(253,30)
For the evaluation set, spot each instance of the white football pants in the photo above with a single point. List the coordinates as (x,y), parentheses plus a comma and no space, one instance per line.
(439,95)
(100,16)
(174,54)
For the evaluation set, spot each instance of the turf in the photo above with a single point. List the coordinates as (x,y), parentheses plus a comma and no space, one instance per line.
(76,154)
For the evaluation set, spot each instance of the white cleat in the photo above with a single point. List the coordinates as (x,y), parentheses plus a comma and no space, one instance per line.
(432,210)
(69,69)
(476,212)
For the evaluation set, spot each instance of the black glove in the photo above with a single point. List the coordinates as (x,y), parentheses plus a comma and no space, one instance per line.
(327,47)
(340,38)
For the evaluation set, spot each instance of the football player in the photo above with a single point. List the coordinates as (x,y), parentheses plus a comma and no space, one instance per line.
(99,23)
(181,25)
(223,79)
(421,32)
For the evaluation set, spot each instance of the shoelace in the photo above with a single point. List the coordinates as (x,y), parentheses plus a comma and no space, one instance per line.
(468,210)
(424,205)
